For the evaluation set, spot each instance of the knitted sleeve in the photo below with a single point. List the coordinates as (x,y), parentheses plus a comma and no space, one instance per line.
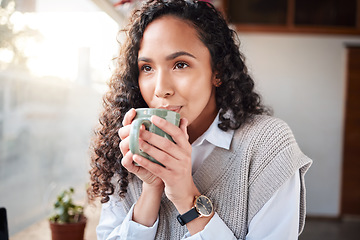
(275,158)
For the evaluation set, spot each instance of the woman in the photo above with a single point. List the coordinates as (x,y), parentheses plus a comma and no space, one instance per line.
(234,172)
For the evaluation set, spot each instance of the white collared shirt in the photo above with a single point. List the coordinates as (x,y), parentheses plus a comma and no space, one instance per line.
(278,219)
(203,146)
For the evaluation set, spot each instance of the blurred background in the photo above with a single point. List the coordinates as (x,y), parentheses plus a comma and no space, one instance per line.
(56,57)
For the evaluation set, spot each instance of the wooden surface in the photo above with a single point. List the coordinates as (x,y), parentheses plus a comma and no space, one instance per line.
(350,204)
(291,27)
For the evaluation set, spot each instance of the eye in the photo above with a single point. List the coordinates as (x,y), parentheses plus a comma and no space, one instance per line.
(181,65)
(145,68)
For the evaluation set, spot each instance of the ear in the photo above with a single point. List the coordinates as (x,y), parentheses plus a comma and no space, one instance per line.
(216,81)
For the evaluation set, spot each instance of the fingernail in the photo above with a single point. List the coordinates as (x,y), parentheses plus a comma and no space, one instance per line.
(136,158)
(155,119)
(136,161)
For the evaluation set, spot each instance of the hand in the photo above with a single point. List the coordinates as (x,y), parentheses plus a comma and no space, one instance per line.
(127,160)
(176,157)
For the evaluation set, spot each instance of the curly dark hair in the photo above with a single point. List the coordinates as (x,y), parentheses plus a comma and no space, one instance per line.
(235,95)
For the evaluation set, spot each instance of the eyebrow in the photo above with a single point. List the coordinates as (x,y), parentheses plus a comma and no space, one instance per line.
(178,54)
(169,57)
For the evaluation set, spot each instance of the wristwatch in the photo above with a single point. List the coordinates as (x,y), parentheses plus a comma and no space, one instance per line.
(202,208)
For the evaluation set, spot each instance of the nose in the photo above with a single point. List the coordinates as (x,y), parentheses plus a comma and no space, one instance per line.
(163,87)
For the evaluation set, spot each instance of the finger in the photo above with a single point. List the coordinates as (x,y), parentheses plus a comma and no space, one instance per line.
(124,146)
(124,132)
(127,162)
(158,146)
(150,166)
(161,156)
(129,116)
(175,132)
(183,126)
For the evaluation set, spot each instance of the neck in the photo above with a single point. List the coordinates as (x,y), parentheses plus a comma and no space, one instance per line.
(200,125)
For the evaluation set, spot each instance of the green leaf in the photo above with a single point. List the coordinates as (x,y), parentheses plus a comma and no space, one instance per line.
(66,210)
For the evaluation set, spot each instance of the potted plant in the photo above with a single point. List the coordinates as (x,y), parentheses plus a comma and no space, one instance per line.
(69,220)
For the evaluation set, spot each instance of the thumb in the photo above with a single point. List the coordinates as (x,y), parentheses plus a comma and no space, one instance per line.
(183,126)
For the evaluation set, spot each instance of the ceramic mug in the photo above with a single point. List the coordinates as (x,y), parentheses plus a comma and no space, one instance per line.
(143,117)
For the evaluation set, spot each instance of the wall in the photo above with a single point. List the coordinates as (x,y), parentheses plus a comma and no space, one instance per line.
(303,78)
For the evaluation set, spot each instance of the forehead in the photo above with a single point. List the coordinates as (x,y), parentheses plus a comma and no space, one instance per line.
(171,20)
(171,32)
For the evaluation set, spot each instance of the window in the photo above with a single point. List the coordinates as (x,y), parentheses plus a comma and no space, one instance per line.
(54,63)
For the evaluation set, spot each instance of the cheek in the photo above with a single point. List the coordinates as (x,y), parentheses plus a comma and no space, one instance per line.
(201,89)
(199,94)
(146,90)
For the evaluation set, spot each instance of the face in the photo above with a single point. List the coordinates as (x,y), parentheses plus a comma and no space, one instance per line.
(175,71)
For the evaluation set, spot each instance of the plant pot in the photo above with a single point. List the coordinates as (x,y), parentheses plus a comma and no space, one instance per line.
(68,231)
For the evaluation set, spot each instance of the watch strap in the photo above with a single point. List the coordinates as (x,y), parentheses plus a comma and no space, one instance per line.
(188,216)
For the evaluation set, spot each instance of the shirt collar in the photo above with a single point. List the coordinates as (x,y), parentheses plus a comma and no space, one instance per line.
(216,136)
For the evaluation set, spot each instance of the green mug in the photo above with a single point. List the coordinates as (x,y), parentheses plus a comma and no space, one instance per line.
(143,117)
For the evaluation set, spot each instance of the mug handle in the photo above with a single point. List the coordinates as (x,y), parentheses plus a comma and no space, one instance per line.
(134,135)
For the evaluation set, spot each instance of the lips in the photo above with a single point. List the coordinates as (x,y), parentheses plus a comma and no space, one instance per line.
(172,108)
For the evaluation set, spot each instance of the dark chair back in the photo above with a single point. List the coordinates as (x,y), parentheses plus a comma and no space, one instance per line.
(4,231)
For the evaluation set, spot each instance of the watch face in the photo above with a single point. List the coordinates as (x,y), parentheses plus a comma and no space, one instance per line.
(204,206)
